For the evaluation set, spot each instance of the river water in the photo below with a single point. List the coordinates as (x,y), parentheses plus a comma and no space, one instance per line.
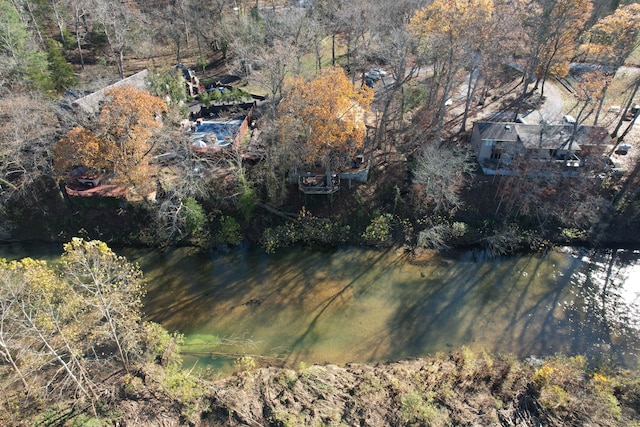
(361,305)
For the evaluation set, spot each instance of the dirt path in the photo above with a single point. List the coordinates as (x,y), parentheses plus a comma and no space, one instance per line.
(551,108)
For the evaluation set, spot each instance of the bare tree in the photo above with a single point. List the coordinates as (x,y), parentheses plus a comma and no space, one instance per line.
(38,315)
(172,24)
(246,40)
(26,143)
(121,26)
(109,285)
(170,212)
(440,175)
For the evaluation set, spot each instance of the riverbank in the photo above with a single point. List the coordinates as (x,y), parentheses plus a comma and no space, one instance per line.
(468,386)
(460,388)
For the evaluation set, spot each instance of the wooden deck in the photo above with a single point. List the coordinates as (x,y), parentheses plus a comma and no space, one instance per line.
(317,184)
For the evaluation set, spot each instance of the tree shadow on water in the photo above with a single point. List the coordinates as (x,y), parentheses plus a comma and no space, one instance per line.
(507,305)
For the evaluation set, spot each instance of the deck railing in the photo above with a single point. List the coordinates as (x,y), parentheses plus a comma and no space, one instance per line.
(319,184)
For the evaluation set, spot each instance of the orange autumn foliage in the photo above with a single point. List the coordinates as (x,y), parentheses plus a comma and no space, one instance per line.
(78,147)
(121,141)
(325,114)
(613,38)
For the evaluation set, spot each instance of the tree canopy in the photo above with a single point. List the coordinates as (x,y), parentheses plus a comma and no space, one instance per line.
(326,114)
(120,142)
(612,39)
(450,33)
(21,62)
(64,329)
(562,23)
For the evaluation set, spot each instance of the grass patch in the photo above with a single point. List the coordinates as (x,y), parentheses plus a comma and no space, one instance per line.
(308,61)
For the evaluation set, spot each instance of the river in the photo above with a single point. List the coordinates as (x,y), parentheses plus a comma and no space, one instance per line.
(363,305)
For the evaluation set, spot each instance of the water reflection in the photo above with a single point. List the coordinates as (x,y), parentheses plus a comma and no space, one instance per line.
(607,289)
(359,305)
(364,305)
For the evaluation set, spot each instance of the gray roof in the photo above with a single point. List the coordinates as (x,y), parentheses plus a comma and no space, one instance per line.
(90,104)
(550,136)
(544,136)
(496,131)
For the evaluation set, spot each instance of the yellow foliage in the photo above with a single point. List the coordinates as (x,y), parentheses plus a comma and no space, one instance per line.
(543,375)
(326,113)
(122,140)
(79,146)
(453,19)
(614,37)
(563,24)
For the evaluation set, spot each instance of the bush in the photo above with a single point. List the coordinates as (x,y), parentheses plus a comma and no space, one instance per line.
(247,202)
(418,410)
(205,97)
(229,233)
(307,229)
(194,215)
(378,232)
(62,76)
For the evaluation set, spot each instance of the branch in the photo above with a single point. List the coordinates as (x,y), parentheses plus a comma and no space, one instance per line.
(274,211)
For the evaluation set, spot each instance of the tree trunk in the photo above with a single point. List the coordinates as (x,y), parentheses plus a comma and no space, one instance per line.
(77,25)
(56,355)
(6,354)
(601,102)
(112,327)
(121,63)
(523,95)
(443,107)
(470,92)
(627,107)
(35,23)
(333,49)
(626,131)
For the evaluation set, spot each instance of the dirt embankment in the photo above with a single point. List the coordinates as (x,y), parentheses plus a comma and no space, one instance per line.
(464,388)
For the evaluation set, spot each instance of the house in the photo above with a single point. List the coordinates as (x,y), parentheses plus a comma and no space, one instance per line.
(90,104)
(514,148)
(229,129)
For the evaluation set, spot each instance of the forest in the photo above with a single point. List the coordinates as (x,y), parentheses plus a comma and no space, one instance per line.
(390,87)
(445,66)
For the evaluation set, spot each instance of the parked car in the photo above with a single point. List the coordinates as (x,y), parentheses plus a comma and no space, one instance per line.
(375,74)
(569,119)
(622,149)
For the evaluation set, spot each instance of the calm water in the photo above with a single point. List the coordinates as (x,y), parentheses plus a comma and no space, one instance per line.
(359,305)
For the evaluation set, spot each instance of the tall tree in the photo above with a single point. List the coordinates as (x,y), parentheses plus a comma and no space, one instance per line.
(62,74)
(172,25)
(42,313)
(22,63)
(327,122)
(64,327)
(447,30)
(109,286)
(121,25)
(122,141)
(611,40)
(564,22)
